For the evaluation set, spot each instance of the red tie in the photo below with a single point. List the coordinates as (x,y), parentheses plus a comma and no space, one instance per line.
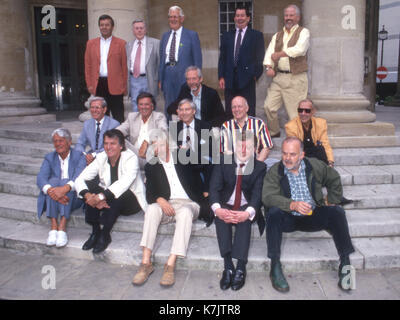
(238,192)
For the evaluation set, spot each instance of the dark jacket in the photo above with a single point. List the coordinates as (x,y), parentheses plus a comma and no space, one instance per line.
(223,181)
(276,188)
(211,111)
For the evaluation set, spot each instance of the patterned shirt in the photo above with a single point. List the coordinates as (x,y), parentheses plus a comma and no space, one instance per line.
(231,128)
(299,188)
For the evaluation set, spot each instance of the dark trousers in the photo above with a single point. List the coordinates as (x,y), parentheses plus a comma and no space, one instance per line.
(115,103)
(126,204)
(248,92)
(239,247)
(333,219)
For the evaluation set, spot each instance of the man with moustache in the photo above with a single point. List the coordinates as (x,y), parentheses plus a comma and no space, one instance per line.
(179,49)
(294,201)
(286,62)
(106,73)
(208,103)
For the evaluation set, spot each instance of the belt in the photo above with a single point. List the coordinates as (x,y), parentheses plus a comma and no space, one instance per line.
(283,71)
(172,64)
(140,75)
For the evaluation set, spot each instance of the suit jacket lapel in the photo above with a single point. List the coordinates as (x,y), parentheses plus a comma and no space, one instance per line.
(182,41)
(57,165)
(149,48)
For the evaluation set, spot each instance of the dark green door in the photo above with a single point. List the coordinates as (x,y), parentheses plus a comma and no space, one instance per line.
(60,56)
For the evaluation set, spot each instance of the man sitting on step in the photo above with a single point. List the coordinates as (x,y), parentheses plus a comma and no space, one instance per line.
(94,128)
(174,194)
(313,132)
(120,189)
(56,183)
(292,195)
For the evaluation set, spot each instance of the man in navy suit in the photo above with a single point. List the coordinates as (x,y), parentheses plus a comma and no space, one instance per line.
(55,180)
(179,49)
(235,198)
(94,128)
(241,61)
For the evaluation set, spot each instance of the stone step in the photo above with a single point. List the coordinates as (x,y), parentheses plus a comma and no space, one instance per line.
(25,148)
(365,175)
(364,141)
(366,156)
(361,129)
(362,223)
(20,164)
(19,184)
(297,255)
(39,118)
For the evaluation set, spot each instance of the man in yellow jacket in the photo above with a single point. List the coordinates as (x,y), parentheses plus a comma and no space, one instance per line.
(313,132)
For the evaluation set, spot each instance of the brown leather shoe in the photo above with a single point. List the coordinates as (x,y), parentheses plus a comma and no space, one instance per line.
(168,277)
(143,274)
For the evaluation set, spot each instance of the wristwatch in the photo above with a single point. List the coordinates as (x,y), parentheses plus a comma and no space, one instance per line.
(267,68)
(101,196)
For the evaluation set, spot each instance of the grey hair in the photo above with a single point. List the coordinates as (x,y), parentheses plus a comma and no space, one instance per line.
(139,20)
(194,68)
(292,139)
(103,101)
(307,100)
(63,133)
(192,104)
(174,8)
(298,12)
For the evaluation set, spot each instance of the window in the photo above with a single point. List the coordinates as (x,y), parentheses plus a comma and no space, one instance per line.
(227,12)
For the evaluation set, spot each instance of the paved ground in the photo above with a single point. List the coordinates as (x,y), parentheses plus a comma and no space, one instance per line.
(25,276)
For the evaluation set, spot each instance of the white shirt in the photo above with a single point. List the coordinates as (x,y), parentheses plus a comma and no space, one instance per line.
(143,132)
(241,41)
(64,173)
(243,201)
(177,191)
(299,49)
(104,48)
(191,135)
(177,42)
(142,55)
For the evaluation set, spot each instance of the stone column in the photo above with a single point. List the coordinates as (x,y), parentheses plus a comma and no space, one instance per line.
(17,100)
(336,73)
(123,12)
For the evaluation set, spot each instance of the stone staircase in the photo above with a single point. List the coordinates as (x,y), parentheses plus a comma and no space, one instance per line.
(369,175)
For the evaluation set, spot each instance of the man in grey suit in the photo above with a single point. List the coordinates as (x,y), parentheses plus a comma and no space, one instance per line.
(143,56)
(179,49)
(137,127)
(94,128)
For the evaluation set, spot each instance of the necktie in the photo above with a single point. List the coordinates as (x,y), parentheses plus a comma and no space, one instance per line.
(237,47)
(172,49)
(187,136)
(97,135)
(136,66)
(238,192)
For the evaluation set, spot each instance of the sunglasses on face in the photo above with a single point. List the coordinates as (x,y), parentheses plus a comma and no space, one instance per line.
(301,110)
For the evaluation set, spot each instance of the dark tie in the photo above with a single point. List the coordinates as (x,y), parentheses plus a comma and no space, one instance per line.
(237,47)
(187,136)
(238,192)
(136,65)
(97,135)
(172,49)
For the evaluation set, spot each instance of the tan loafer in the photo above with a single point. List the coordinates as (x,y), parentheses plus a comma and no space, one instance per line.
(168,277)
(145,270)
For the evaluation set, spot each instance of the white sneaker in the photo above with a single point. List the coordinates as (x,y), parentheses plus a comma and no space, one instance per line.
(62,239)
(52,238)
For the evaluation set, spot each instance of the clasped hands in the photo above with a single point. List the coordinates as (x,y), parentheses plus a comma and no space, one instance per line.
(94,201)
(232,216)
(59,194)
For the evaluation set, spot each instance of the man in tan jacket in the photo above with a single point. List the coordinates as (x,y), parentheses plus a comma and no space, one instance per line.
(285,62)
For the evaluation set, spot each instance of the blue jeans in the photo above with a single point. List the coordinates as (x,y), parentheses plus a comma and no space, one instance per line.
(136,86)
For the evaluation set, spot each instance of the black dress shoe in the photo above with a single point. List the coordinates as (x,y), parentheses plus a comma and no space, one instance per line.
(102,243)
(345,201)
(277,278)
(226,279)
(91,242)
(238,279)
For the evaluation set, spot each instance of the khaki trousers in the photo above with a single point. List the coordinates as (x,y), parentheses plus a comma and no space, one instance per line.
(289,89)
(186,211)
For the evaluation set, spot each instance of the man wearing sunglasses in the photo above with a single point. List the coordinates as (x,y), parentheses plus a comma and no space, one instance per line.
(313,132)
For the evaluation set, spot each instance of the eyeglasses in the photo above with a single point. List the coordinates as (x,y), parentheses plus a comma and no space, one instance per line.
(301,110)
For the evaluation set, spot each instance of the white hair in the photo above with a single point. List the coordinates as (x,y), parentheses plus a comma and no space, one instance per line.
(176,8)
(63,133)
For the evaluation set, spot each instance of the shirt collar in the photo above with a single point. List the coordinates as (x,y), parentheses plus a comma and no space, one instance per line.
(293,29)
(106,40)
(245,121)
(66,159)
(143,41)
(199,94)
(301,168)
(178,32)
(244,30)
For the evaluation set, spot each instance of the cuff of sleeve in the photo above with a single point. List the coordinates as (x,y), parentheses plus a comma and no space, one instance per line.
(109,195)
(45,188)
(215,206)
(252,213)
(83,192)
(72,185)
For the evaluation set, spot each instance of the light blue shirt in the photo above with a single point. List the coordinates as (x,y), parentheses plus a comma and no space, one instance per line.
(197,102)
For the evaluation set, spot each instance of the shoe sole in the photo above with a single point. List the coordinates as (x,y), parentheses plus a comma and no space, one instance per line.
(142,283)
(282,290)
(166,285)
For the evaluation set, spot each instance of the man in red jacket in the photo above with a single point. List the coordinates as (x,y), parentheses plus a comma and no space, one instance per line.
(106,69)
